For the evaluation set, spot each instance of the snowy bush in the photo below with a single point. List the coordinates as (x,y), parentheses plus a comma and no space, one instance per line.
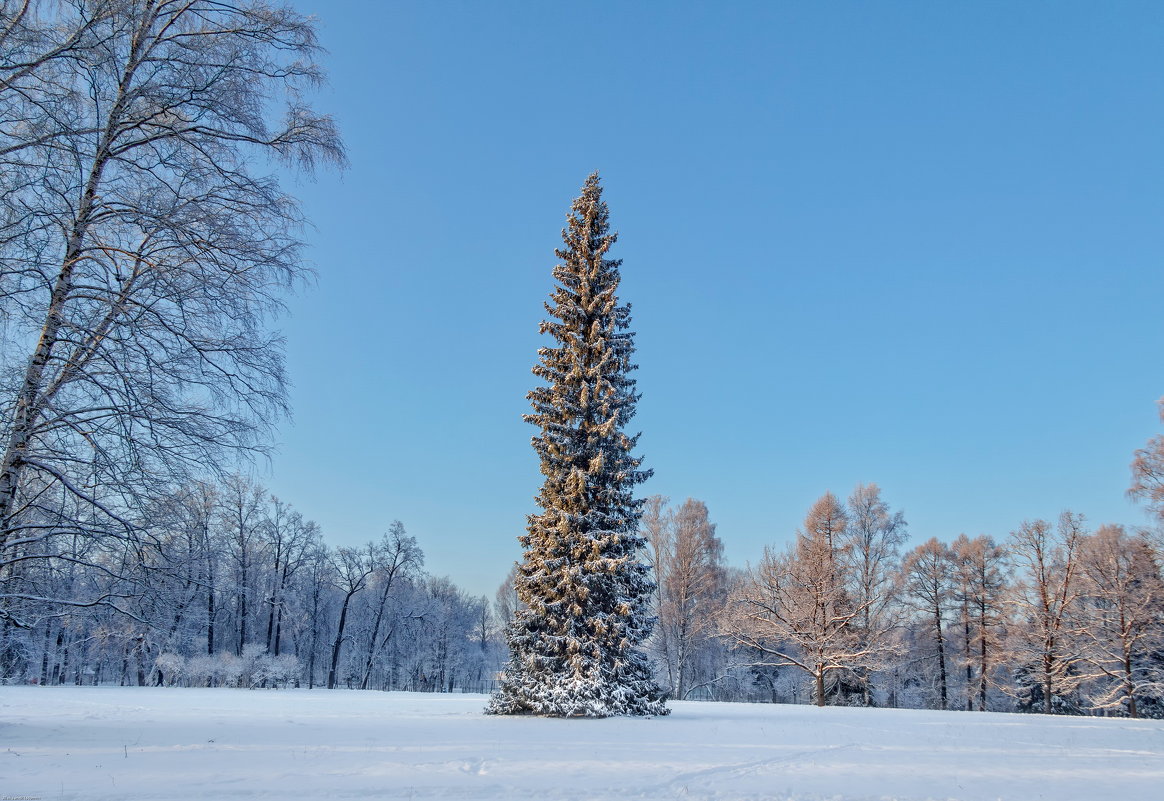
(221,670)
(274,670)
(253,653)
(257,668)
(228,669)
(170,668)
(200,671)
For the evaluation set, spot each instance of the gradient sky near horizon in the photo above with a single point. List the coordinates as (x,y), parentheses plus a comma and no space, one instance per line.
(917,244)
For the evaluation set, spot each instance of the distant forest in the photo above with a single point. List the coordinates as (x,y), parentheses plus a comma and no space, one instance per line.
(229,586)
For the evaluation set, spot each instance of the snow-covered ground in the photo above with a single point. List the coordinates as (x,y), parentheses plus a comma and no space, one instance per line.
(134,743)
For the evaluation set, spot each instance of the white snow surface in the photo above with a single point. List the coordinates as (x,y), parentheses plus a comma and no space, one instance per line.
(156,743)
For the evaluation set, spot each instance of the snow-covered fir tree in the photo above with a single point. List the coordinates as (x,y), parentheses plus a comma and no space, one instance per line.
(574,647)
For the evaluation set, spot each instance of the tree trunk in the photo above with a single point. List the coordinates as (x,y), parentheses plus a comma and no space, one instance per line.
(209,601)
(314,634)
(278,627)
(277,610)
(32,398)
(982,656)
(242,604)
(272,602)
(375,635)
(62,676)
(56,677)
(339,641)
(311,659)
(1048,682)
(1129,685)
(941,658)
(44,656)
(969,662)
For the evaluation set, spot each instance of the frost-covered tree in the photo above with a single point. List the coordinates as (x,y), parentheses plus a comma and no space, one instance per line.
(795,610)
(929,587)
(980,581)
(505,602)
(400,558)
(290,542)
(352,568)
(145,247)
(687,558)
(575,648)
(1120,631)
(871,544)
(1045,601)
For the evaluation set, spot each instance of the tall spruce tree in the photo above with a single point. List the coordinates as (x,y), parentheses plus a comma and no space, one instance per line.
(574,648)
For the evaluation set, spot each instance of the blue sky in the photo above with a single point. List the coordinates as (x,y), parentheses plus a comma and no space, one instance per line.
(917,244)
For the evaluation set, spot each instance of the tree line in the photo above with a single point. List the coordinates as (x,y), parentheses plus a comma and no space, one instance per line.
(228,585)
(1055,618)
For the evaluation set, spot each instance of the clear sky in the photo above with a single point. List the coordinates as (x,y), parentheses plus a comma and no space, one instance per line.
(917,244)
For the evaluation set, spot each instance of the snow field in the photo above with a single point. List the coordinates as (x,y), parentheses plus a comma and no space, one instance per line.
(157,743)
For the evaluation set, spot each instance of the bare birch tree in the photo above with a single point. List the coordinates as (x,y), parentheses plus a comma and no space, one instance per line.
(142,253)
(928,588)
(505,601)
(655,525)
(795,610)
(980,582)
(398,557)
(1121,632)
(688,560)
(352,567)
(1044,602)
(318,575)
(290,541)
(871,549)
(243,520)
